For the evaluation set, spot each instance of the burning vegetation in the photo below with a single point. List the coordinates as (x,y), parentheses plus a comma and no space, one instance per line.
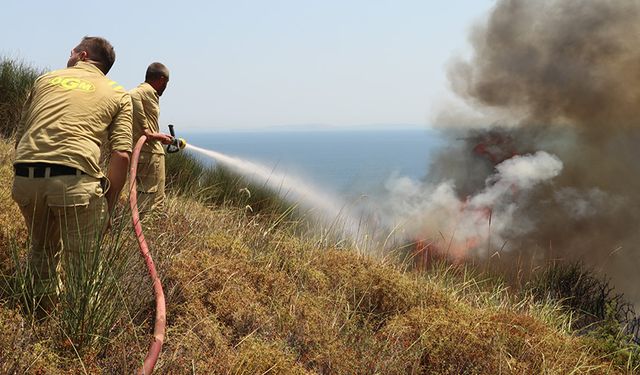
(555,175)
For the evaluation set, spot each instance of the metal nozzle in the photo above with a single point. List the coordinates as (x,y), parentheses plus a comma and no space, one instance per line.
(177,144)
(181,143)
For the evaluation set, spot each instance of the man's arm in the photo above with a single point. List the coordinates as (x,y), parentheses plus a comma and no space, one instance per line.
(143,120)
(137,111)
(163,138)
(117,175)
(120,141)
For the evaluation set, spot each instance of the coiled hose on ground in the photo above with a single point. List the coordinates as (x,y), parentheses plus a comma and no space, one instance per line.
(161,313)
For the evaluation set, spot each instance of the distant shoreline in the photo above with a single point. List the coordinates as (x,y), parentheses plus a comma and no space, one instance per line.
(311,129)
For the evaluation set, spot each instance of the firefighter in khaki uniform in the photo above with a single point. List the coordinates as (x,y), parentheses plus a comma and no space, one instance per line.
(62,193)
(146,111)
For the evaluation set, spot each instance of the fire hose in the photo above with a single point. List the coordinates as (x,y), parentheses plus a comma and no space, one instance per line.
(161,312)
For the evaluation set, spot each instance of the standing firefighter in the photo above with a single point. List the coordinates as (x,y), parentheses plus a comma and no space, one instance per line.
(59,186)
(146,111)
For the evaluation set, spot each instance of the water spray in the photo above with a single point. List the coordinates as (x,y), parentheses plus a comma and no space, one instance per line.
(290,187)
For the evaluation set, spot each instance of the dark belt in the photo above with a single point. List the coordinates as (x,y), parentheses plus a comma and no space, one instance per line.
(40,170)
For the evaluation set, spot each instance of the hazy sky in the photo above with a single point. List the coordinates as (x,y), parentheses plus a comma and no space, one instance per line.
(261,64)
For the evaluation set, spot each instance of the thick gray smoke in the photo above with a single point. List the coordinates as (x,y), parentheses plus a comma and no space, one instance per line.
(558,62)
(560,77)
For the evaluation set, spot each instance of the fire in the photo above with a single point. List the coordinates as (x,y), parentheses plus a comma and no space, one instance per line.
(470,232)
(458,247)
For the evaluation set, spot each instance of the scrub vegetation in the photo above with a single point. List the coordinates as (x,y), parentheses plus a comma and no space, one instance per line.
(16,79)
(252,289)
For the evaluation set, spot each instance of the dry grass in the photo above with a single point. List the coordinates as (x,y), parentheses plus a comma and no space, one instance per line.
(246,296)
(11,227)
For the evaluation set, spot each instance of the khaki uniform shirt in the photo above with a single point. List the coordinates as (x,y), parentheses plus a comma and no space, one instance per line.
(146,111)
(69,114)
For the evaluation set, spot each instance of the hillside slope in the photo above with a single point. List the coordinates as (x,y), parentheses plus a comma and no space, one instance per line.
(245,295)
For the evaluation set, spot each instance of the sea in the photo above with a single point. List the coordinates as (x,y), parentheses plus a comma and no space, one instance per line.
(342,162)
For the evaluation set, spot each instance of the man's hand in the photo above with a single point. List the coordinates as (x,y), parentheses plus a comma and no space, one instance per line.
(165,139)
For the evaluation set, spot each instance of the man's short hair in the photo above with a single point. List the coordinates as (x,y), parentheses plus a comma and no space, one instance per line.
(100,51)
(156,70)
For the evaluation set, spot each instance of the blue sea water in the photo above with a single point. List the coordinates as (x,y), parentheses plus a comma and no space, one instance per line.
(345,162)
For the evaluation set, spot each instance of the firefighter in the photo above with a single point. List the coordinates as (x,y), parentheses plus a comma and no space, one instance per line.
(62,193)
(151,165)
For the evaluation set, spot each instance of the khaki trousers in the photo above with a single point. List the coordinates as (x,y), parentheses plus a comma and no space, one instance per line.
(151,181)
(64,215)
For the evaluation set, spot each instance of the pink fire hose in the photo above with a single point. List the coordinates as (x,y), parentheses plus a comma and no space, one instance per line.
(161,312)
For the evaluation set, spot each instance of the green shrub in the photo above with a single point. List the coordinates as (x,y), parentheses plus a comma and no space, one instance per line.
(16,80)
(96,293)
(612,338)
(597,310)
(578,289)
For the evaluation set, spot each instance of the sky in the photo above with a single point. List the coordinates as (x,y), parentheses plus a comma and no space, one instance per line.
(279,64)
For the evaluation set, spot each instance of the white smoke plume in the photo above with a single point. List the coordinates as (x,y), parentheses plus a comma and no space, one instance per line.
(436,212)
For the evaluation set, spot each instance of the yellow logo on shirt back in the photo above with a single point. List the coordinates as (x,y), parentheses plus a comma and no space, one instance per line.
(115,86)
(71,83)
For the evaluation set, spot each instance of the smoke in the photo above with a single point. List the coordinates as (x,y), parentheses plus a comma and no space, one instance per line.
(562,62)
(518,173)
(468,222)
(559,82)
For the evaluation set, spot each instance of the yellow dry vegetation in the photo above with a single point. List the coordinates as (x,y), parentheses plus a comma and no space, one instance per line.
(245,297)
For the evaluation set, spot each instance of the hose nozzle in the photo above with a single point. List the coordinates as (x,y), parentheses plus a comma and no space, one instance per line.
(177,144)
(180,142)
